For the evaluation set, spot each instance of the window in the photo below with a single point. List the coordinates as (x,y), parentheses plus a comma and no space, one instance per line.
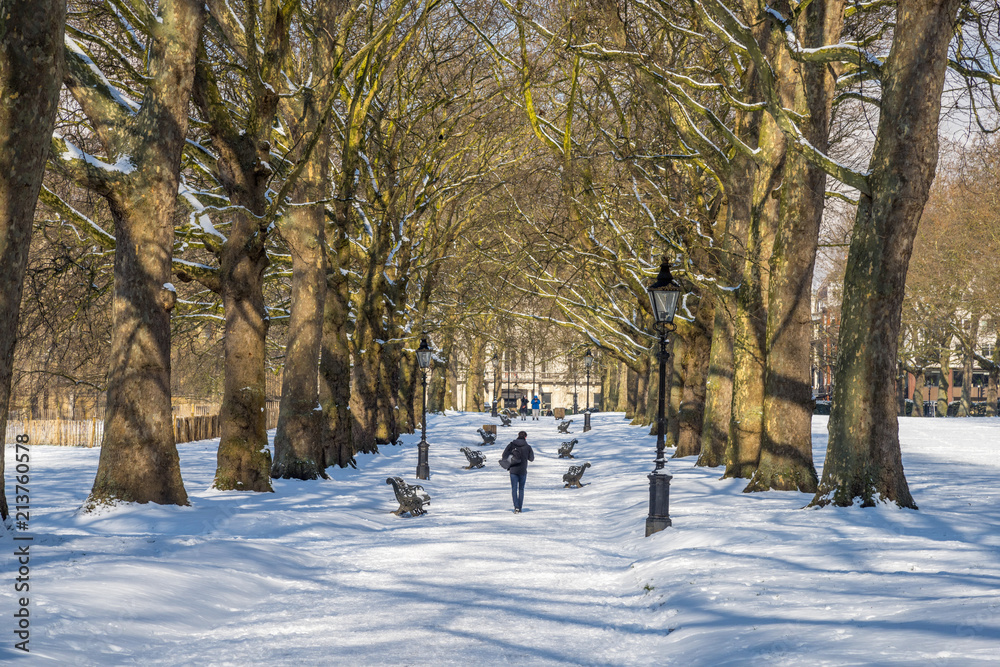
(932,380)
(958,377)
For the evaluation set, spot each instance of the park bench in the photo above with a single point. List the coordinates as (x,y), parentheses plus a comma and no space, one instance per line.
(564,426)
(572,478)
(566,449)
(412,498)
(475,457)
(488,438)
(504,420)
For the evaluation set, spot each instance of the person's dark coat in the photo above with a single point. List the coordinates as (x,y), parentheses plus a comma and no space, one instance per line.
(524,453)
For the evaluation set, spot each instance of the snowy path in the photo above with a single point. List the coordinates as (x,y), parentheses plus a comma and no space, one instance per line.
(321,573)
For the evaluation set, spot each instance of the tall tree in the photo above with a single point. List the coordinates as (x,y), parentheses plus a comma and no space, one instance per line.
(139,180)
(863,461)
(241,134)
(31,67)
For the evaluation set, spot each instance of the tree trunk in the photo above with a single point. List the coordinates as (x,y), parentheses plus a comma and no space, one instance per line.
(243,460)
(475,376)
(297,450)
(863,458)
(31,66)
(632,392)
(786,461)
(386,426)
(440,384)
(139,461)
(993,380)
(642,401)
(969,341)
(944,380)
(965,406)
(919,382)
(623,389)
(992,391)
(675,385)
(718,386)
(335,356)
(750,327)
(692,408)
(609,385)
(408,406)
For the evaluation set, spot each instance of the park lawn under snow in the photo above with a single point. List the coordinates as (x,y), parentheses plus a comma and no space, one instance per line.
(321,572)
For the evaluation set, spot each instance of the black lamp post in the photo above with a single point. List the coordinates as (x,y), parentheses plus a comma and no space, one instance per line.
(573,367)
(588,361)
(664,294)
(496,384)
(424,360)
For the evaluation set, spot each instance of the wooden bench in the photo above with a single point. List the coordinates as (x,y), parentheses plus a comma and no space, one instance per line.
(572,478)
(412,498)
(488,438)
(504,420)
(564,426)
(475,457)
(566,449)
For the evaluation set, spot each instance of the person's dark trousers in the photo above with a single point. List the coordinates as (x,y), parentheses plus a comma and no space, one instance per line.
(517,488)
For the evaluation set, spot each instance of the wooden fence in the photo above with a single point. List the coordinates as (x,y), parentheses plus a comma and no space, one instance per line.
(88,433)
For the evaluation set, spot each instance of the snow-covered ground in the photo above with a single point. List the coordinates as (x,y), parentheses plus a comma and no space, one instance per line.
(322,573)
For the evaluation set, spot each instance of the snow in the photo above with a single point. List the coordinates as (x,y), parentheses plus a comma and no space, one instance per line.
(321,573)
(124,164)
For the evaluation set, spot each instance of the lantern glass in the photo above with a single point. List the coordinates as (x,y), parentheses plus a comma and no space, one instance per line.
(496,362)
(424,354)
(588,359)
(664,303)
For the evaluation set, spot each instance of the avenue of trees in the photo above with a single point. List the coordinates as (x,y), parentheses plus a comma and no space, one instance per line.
(313,185)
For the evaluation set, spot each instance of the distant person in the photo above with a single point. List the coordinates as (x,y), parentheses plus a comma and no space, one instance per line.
(524,408)
(519,450)
(536,408)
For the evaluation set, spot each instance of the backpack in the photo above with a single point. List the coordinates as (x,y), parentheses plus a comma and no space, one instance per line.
(511,460)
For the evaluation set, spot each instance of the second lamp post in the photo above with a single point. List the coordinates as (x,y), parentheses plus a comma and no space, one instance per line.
(663,296)
(424,361)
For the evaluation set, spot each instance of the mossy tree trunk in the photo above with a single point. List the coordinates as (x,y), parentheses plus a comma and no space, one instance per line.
(31,70)
(692,408)
(623,389)
(718,385)
(475,375)
(786,461)
(746,425)
(863,460)
(675,387)
(642,398)
(298,450)
(335,354)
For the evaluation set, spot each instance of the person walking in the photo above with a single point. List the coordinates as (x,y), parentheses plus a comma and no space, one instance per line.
(536,408)
(520,453)
(524,408)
